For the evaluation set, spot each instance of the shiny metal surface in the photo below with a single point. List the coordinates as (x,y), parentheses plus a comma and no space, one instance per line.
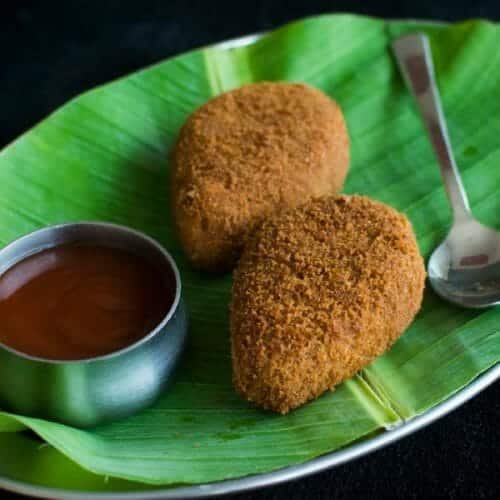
(92,391)
(319,464)
(465,268)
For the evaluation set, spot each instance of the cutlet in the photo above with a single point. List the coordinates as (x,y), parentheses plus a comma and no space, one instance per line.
(319,292)
(247,154)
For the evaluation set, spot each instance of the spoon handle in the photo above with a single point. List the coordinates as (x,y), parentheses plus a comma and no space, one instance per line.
(414,58)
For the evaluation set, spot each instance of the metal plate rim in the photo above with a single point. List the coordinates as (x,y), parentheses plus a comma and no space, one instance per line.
(281,475)
(313,466)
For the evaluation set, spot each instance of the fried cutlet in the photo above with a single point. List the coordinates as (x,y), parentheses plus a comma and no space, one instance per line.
(319,292)
(247,154)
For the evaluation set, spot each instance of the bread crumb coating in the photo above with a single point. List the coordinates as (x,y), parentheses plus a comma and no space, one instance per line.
(320,292)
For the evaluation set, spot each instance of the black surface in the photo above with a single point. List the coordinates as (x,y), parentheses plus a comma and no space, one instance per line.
(51,51)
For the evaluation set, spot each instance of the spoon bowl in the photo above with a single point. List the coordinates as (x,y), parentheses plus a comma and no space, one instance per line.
(465,268)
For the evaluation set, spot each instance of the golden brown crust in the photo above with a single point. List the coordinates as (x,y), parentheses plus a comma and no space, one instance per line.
(247,154)
(319,292)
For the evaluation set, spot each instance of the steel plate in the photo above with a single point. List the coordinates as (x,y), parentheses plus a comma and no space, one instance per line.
(282,475)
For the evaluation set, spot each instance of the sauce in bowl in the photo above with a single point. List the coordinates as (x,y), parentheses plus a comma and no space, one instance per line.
(75,301)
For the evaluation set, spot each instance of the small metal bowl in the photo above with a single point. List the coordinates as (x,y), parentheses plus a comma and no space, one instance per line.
(85,393)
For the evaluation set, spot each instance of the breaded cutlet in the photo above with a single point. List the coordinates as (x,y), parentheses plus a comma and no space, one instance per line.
(318,293)
(247,154)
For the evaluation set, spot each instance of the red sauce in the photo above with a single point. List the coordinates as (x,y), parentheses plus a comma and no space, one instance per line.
(75,302)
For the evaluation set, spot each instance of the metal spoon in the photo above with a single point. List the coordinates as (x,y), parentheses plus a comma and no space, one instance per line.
(465,268)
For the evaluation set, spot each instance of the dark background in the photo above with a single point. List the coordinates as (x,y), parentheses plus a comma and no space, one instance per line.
(51,51)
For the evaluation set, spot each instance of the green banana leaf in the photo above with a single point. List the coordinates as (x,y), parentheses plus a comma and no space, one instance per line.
(104,156)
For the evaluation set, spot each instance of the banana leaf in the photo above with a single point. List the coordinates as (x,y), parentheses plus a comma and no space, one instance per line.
(104,156)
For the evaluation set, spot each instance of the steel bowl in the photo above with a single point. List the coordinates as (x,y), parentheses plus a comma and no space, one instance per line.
(92,391)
